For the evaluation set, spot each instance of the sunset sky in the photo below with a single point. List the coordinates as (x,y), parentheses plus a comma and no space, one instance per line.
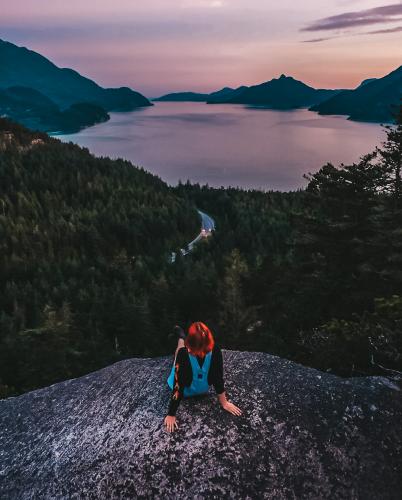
(159,46)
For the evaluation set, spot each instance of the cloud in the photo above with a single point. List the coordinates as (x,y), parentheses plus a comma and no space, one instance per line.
(377,15)
(211,4)
(213,25)
(389,30)
(316,40)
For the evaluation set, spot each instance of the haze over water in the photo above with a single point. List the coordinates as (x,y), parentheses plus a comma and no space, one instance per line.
(230,145)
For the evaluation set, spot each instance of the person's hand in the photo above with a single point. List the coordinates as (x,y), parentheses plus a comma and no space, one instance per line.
(231,408)
(170,423)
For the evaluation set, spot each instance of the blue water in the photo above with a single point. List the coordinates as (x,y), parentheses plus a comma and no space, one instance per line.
(230,145)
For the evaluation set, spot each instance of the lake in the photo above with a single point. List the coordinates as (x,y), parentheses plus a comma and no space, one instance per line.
(230,145)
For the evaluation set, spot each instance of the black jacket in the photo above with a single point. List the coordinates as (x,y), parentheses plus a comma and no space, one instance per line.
(183,375)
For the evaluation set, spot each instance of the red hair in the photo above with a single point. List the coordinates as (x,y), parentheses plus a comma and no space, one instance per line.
(199,339)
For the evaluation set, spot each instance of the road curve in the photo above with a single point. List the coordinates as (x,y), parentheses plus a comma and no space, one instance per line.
(207,226)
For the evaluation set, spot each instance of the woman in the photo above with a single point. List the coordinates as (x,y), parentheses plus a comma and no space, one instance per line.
(197,365)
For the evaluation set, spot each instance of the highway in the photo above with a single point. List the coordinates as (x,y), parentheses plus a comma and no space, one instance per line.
(207,226)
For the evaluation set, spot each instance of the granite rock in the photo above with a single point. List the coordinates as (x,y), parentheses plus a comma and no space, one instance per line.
(302,434)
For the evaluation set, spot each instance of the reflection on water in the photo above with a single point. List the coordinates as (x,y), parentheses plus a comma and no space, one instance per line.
(230,145)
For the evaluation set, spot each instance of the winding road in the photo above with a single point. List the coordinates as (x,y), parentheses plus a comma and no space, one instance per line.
(207,226)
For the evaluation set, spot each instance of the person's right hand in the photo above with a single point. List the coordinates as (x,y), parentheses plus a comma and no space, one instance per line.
(170,423)
(231,408)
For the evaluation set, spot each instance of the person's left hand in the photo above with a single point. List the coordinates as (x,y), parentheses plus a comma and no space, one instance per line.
(170,423)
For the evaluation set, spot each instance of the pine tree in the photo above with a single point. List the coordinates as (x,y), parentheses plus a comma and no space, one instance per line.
(235,315)
(388,239)
(391,154)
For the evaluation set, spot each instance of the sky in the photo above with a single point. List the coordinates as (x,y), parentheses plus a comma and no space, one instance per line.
(160,46)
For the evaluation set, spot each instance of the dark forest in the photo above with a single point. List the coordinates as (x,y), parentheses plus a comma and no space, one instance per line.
(313,275)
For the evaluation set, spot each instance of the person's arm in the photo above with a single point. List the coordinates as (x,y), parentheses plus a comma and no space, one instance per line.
(219,385)
(217,375)
(178,382)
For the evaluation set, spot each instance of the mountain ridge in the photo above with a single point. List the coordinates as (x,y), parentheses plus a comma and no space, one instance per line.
(65,86)
(36,111)
(197,96)
(284,92)
(373,100)
(40,95)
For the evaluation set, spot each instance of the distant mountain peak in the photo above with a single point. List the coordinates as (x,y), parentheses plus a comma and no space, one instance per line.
(373,100)
(23,67)
(366,81)
(284,92)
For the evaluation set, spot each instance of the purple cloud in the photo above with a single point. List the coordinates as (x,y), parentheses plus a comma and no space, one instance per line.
(389,30)
(377,15)
(316,40)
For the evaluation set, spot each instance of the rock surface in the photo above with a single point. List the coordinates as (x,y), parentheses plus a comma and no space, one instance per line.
(303,434)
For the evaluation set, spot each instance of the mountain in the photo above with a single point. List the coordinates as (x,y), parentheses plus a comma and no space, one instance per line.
(36,111)
(281,93)
(366,81)
(372,101)
(26,96)
(183,97)
(222,92)
(218,96)
(224,95)
(26,68)
(302,434)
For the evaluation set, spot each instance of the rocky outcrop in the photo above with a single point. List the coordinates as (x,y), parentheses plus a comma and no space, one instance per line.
(303,434)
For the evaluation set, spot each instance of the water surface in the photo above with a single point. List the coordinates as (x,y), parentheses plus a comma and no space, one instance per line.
(230,145)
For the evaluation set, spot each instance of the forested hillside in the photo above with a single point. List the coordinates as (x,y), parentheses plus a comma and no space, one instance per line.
(312,275)
(83,240)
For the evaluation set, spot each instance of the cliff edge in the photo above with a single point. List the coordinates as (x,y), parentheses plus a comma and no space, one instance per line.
(303,434)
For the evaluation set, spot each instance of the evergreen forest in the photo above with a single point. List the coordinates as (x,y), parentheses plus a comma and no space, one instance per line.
(87,278)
